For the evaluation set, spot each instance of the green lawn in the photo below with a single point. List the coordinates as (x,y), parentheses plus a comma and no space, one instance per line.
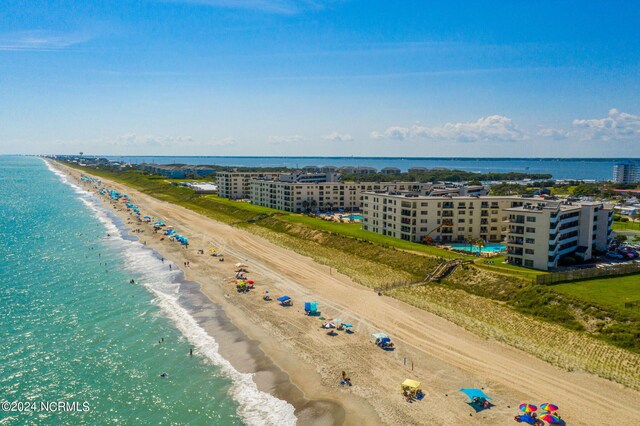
(612,292)
(626,226)
(500,266)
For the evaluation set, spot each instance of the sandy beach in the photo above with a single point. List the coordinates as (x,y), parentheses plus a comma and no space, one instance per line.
(296,360)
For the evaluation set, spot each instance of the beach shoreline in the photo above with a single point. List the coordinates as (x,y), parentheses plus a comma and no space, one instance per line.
(243,352)
(282,336)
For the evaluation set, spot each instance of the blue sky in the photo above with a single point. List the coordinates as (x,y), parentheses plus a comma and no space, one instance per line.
(313,77)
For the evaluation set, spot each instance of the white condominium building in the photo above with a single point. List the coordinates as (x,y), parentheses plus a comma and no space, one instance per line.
(542,233)
(444,219)
(304,196)
(538,232)
(235,185)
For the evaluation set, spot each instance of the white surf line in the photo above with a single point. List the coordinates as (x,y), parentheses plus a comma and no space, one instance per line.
(255,407)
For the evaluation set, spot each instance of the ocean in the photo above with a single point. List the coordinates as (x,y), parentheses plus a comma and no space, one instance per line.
(559,168)
(75,330)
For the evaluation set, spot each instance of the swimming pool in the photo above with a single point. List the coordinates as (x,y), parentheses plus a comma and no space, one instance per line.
(489,248)
(354,217)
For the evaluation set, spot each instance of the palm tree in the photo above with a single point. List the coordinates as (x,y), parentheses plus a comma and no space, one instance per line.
(480,243)
(305,205)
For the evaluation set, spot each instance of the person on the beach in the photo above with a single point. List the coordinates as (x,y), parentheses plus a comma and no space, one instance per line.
(191,352)
(162,260)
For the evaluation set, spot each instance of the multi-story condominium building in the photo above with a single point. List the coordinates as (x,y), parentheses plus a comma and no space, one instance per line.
(235,185)
(300,196)
(625,172)
(444,219)
(542,233)
(390,171)
(417,170)
(178,171)
(538,232)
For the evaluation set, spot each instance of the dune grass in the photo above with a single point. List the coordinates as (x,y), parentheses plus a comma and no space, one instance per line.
(568,349)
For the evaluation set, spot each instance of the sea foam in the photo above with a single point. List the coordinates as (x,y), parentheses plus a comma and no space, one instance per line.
(255,406)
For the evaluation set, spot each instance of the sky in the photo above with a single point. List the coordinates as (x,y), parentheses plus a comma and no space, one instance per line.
(420,78)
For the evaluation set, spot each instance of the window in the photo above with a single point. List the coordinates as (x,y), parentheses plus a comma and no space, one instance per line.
(531,218)
(529,251)
(530,240)
(461,220)
(423,220)
(528,263)
(532,230)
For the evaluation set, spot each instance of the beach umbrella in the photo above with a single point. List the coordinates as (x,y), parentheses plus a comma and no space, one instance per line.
(250,281)
(528,408)
(550,418)
(265,292)
(345,325)
(548,407)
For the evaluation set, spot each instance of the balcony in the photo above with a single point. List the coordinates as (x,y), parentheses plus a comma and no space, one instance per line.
(447,230)
(512,240)
(518,230)
(447,214)
(447,205)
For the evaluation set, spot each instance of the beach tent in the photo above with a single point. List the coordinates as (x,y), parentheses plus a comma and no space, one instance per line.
(474,393)
(311,307)
(284,300)
(410,385)
(379,336)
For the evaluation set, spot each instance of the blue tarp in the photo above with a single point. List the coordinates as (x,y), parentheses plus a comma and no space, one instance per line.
(310,306)
(283,298)
(527,418)
(475,393)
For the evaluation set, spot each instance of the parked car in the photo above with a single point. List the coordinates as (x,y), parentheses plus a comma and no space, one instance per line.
(614,255)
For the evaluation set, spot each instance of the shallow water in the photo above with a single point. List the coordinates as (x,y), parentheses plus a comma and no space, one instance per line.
(75,330)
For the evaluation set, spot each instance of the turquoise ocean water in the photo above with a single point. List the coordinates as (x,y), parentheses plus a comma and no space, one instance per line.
(74,329)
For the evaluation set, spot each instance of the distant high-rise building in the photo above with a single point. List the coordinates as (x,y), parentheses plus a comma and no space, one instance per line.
(625,172)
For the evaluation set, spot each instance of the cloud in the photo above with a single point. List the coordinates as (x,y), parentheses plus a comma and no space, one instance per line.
(284,7)
(133,140)
(491,128)
(224,142)
(616,126)
(555,134)
(285,139)
(37,40)
(338,137)
(395,132)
